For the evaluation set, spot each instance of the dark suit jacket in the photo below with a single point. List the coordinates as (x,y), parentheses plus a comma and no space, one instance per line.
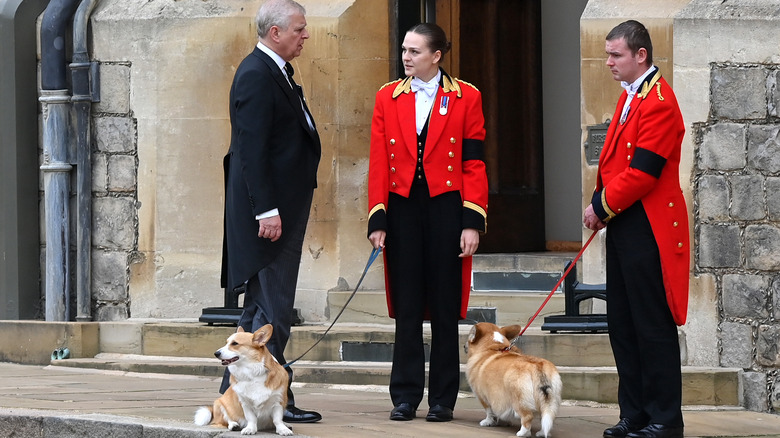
(272,163)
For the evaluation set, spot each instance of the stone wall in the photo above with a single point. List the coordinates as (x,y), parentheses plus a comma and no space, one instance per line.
(737,196)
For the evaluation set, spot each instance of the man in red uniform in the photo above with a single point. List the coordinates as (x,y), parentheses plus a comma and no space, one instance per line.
(638,197)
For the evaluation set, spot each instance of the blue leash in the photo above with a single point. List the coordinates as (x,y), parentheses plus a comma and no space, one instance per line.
(374,254)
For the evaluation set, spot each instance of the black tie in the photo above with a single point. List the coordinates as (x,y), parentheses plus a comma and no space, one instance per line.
(288,68)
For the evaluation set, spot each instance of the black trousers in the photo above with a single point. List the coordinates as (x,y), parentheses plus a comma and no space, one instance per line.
(642,331)
(422,248)
(270,297)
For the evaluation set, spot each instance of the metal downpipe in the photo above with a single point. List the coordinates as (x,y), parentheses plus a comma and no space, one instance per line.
(55,167)
(82,106)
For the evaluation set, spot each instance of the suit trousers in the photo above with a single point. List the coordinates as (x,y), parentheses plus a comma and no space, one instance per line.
(270,296)
(642,331)
(422,248)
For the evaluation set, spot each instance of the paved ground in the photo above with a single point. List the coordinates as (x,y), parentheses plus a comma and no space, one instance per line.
(64,402)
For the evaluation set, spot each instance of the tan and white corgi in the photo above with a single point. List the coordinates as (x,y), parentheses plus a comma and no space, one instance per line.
(511,385)
(257,394)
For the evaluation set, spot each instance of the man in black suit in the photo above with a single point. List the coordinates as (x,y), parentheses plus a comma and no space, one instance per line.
(270,176)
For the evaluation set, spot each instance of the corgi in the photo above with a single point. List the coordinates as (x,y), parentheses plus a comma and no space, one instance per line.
(258,386)
(511,385)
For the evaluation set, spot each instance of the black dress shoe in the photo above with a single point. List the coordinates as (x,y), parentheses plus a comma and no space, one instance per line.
(439,413)
(295,415)
(657,431)
(403,412)
(623,428)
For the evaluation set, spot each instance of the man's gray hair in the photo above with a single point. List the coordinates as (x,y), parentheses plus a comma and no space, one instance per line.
(276,13)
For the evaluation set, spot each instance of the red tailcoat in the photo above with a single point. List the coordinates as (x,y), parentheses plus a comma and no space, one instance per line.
(640,162)
(452,159)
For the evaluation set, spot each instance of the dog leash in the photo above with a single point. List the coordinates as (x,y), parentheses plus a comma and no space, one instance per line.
(374,254)
(565,274)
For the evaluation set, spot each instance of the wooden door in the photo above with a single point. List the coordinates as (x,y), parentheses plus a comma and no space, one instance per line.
(499,51)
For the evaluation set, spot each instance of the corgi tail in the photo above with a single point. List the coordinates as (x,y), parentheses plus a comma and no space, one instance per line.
(203,416)
(547,424)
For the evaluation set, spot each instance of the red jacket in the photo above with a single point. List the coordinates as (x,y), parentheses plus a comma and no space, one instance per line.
(640,162)
(452,159)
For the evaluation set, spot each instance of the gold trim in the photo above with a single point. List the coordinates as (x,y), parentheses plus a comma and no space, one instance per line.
(376,208)
(450,84)
(389,83)
(404,87)
(604,204)
(647,86)
(658,90)
(475,207)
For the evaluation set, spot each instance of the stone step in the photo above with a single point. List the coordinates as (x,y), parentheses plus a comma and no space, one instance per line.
(370,307)
(701,386)
(523,272)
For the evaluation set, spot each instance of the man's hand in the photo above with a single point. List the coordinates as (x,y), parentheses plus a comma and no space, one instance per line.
(270,228)
(591,221)
(469,241)
(377,239)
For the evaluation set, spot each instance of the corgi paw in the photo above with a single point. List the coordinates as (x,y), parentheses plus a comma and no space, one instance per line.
(249,430)
(283,430)
(232,425)
(488,422)
(524,432)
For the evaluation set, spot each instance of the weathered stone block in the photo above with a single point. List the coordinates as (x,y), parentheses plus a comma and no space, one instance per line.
(776,395)
(65,427)
(99,173)
(109,275)
(114,89)
(113,223)
(768,345)
(776,297)
(20,426)
(773,83)
(737,345)
(747,197)
(122,173)
(105,312)
(738,93)
(723,147)
(761,246)
(755,393)
(763,146)
(713,198)
(745,296)
(114,134)
(773,198)
(719,246)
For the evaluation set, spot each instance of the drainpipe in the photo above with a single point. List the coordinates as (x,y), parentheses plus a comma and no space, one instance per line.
(82,105)
(55,167)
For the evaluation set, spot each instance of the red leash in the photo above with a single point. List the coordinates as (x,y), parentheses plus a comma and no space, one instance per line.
(579,254)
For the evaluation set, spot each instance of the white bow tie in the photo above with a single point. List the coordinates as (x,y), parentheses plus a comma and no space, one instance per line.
(428,88)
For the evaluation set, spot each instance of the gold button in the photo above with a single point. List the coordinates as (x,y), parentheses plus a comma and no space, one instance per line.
(629,157)
(619,210)
(392,141)
(452,139)
(419,160)
(419,176)
(392,156)
(419,151)
(449,168)
(671,204)
(392,169)
(419,144)
(393,184)
(449,183)
(628,145)
(452,154)
(675,224)
(679,245)
(419,168)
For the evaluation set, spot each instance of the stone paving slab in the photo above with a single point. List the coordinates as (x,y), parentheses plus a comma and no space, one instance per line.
(49,401)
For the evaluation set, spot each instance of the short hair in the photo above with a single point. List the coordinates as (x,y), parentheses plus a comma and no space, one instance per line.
(434,36)
(636,36)
(276,13)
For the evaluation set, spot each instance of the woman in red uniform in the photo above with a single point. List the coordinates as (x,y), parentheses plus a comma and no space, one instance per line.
(427,196)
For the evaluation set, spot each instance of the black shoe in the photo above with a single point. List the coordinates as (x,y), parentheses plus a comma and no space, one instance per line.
(439,413)
(403,412)
(657,431)
(622,429)
(295,415)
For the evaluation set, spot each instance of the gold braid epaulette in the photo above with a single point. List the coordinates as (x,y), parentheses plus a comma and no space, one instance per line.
(390,83)
(467,83)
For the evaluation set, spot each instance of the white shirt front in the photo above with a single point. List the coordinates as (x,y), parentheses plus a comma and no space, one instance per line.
(423,103)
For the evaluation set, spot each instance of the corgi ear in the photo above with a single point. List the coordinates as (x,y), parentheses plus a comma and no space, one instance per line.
(511,331)
(472,334)
(263,334)
(240,330)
